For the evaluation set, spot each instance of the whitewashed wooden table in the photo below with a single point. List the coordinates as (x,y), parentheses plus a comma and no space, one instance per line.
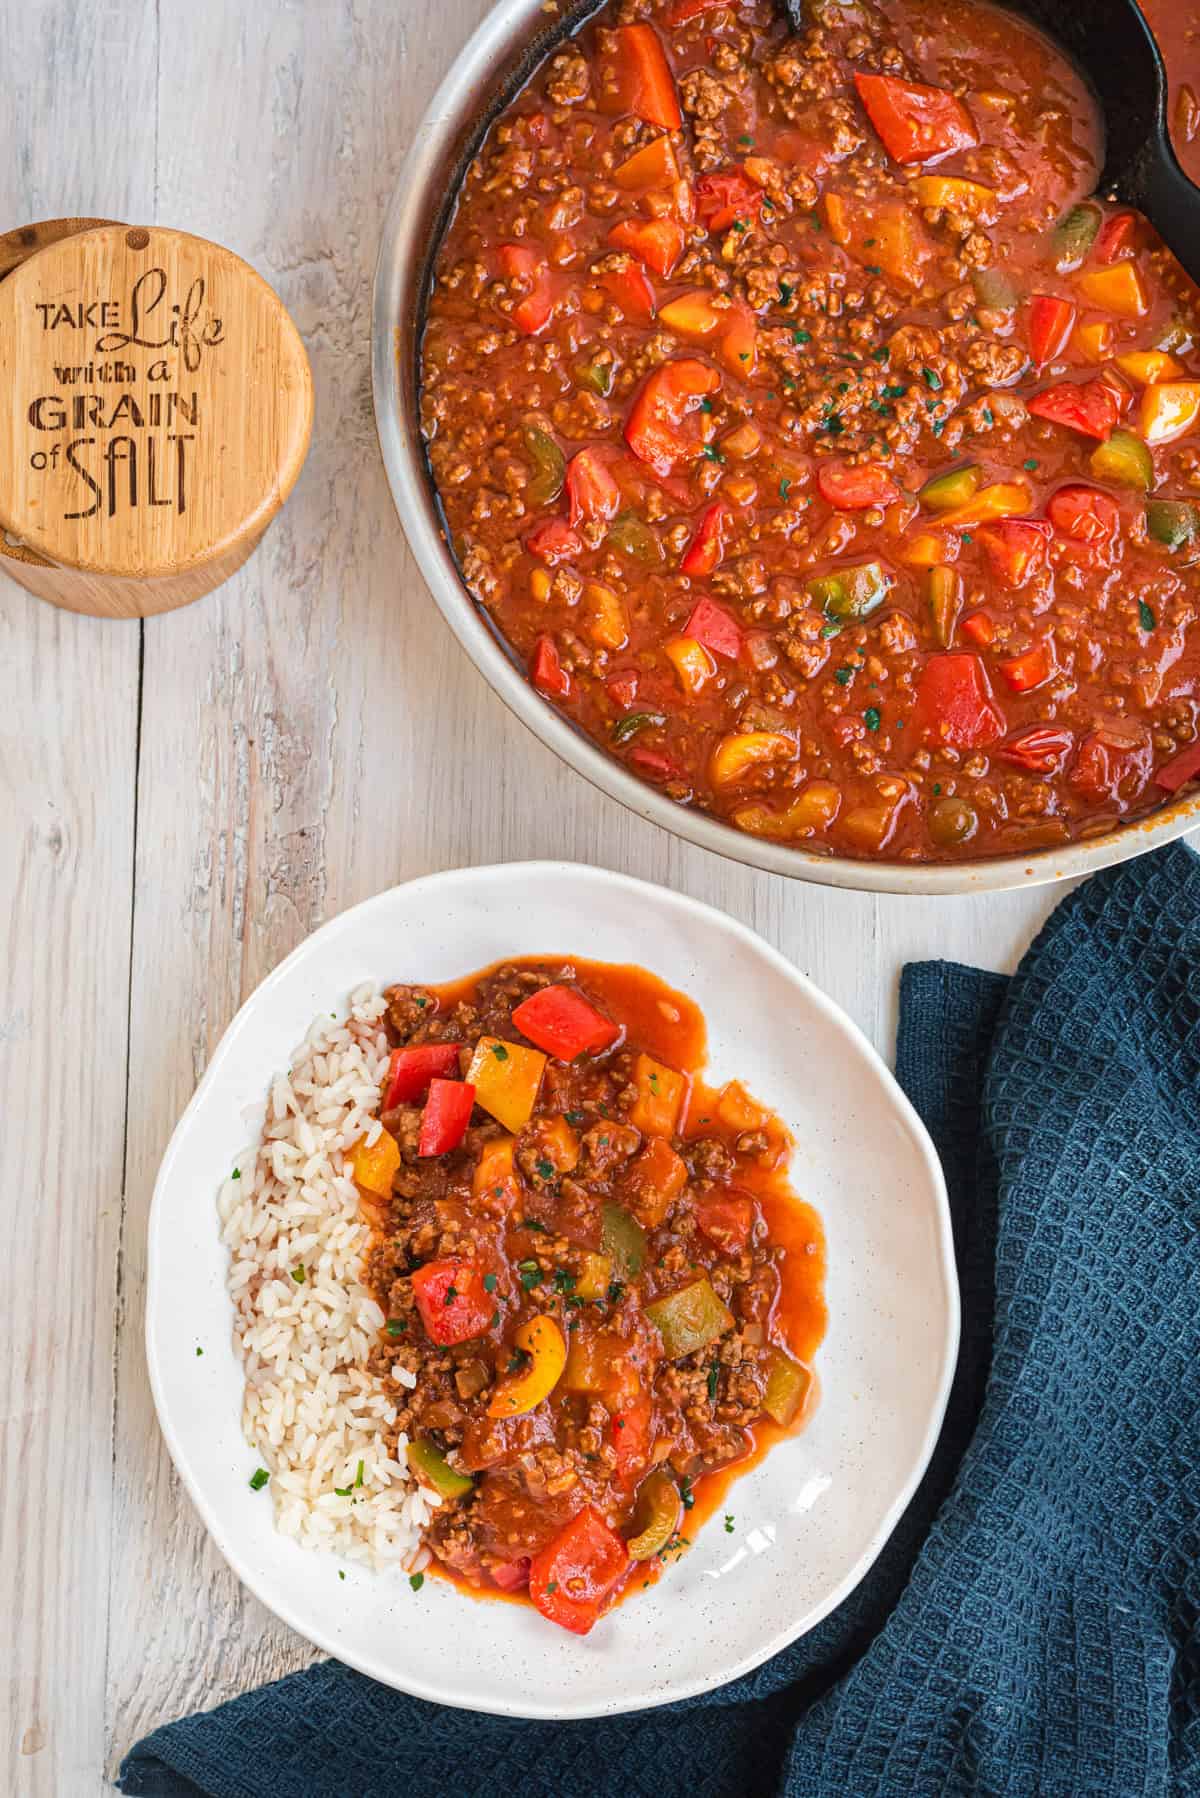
(182,802)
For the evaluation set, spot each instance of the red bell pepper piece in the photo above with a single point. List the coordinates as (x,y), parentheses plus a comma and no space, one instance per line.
(560,1020)
(1113,763)
(657,242)
(713,626)
(917,123)
(452,1301)
(630,288)
(1084,514)
(547,672)
(853,489)
(1016,547)
(1050,323)
(510,1576)
(519,263)
(707,548)
(1089,407)
(726,1222)
(632,1434)
(637,78)
(591,490)
(446,1116)
(683,10)
(670,396)
(979,628)
(652,763)
(1115,235)
(411,1070)
(721,200)
(1041,750)
(1180,769)
(954,701)
(1025,672)
(622,689)
(572,1578)
(553,541)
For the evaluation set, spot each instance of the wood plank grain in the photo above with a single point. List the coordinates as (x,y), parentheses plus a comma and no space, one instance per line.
(79,139)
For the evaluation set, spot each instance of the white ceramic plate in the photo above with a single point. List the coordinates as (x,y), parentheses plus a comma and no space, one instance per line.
(810,1519)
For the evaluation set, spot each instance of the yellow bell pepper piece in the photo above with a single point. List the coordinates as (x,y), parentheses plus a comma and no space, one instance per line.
(1093,340)
(607,624)
(692,314)
(816,807)
(1118,288)
(495,1175)
(542,1340)
(736,1108)
(693,664)
(506,1078)
(1148,367)
(558,1144)
(1006,499)
(373,1164)
(950,193)
(735,754)
(660,1094)
(927,551)
(595,1274)
(1168,410)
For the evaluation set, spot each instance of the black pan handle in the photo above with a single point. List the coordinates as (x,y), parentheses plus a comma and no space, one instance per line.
(1157,186)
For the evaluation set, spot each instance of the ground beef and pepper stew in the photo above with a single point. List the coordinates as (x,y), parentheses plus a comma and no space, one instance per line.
(601,1295)
(825,452)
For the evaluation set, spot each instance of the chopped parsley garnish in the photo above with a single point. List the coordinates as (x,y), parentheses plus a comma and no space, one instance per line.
(499,1051)
(1146,616)
(545,1169)
(450,1296)
(785,292)
(745,143)
(416,1581)
(654,1083)
(199,1351)
(258,1479)
(551,1586)
(358,1477)
(706,405)
(419,1002)
(1031,463)
(882,354)
(341,1575)
(801,336)
(713,453)
(989,417)
(686,1494)
(298,1275)
(616,1291)
(784,485)
(873,268)
(833,425)
(937,787)
(236,1174)
(871,717)
(396,1326)
(967,537)
(932,380)
(831,630)
(574,1117)
(531,1274)
(489,1282)
(714,1371)
(532,1223)
(343,1491)
(894,393)
(564,1281)
(728,1524)
(517,1360)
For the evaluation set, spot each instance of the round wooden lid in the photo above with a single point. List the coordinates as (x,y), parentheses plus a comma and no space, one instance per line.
(155,410)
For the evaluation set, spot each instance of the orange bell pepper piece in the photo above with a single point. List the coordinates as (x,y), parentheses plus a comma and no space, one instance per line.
(660,1096)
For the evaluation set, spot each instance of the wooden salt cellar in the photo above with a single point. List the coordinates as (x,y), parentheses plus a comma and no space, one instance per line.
(155,411)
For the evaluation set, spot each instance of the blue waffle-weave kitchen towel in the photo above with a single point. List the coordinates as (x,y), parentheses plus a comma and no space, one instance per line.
(1032,1627)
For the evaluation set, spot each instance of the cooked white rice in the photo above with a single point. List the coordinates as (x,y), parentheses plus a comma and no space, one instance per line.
(312,1409)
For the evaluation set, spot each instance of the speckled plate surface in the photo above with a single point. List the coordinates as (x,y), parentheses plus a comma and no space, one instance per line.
(810,1519)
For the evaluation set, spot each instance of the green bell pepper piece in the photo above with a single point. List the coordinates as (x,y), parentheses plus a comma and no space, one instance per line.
(597,377)
(430,1465)
(632,537)
(1125,460)
(656,1517)
(1073,237)
(944,593)
(995,290)
(689,1319)
(953,488)
(852,593)
(623,1240)
(1172,521)
(549,466)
